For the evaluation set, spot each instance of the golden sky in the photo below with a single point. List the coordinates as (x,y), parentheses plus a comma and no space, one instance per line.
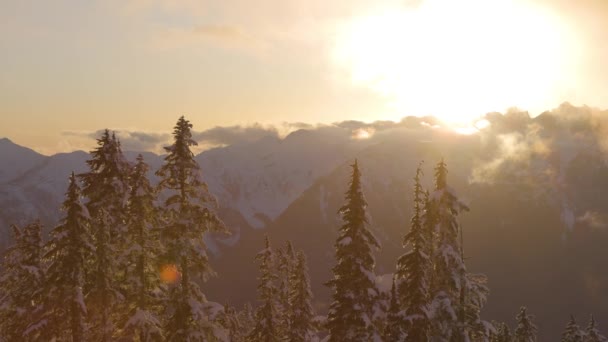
(69,68)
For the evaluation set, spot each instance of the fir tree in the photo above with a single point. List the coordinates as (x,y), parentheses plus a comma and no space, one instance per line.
(395,327)
(573,332)
(502,334)
(143,287)
(230,320)
(448,287)
(189,214)
(412,273)
(105,187)
(526,330)
(301,314)
(592,333)
(22,277)
(351,313)
(69,248)
(286,262)
(267,323)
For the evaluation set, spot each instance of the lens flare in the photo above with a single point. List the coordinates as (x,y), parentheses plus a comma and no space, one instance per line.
(169,274)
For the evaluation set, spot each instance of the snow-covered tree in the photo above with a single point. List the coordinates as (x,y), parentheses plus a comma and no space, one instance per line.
(592,333)
(142,286)
(105,188)
(246,319)
(502,333)
(301,313)
(68,251)
(267,321)
(230,320)
(395,327)
(22,277)
(189,213)
(285,265)
(526,330)
(456,296)
(412,272)
(354,294)
(573,332)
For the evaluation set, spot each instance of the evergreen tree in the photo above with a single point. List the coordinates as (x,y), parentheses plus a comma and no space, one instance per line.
(189,214)
(267,323)
(412,273)
(592,334)
(351,313)
(301,314)
(246,319)
(395,326)
(502,334)
(573,332)
(105,187)
(448,287)
(22,276)
(230,320)
(69,248)
(143,287)
(286,263)
(526,330)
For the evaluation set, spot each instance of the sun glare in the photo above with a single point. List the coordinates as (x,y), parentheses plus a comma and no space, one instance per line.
(458,60)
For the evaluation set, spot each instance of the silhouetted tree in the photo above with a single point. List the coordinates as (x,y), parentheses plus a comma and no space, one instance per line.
(354,295)
(144,293)
(412,274)
(267,321)
(526,330)
(105,188)
(70,246)
(301,313)
(189,213)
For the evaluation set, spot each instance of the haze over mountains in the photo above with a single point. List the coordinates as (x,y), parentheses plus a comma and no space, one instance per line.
(535,187)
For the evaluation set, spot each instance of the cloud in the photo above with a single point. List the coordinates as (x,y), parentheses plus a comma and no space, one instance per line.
(231,135)
(130,140)
(594,220)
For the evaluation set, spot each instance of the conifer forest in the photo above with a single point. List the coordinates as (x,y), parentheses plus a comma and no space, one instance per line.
(129,259)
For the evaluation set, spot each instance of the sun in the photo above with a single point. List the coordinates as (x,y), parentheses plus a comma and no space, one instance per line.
(458,60)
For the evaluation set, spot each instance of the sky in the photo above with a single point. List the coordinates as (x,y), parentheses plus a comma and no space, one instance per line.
(71,68)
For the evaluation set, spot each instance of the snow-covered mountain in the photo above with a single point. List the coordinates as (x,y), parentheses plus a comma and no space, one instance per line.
(256,181)
(536,187)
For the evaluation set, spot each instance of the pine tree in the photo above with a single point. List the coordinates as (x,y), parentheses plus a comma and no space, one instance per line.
(69,249)
(286,262)
(351,313)
(502,334)
(449,280)
(246,319)
(230,321)
(267,323)
(143,287)
(412,274)
(22,276)
(301,313)
(105,187)
(573,332)
(394,329)
(526,330)
(188,214)
(592,333)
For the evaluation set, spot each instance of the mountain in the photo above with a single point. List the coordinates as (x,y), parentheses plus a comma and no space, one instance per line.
(15,159)
(535,186)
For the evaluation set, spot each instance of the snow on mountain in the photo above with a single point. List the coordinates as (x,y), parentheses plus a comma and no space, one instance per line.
(257,180)
(260,180)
